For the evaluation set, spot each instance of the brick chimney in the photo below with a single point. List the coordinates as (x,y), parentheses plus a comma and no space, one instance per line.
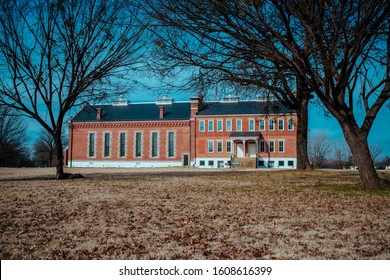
(196,104)
(162,111)
(98,113)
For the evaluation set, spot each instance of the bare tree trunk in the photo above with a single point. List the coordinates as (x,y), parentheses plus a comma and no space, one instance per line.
(362,157)
(303,162)
(59,153)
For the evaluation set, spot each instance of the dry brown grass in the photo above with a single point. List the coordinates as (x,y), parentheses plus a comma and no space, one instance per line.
(191,214)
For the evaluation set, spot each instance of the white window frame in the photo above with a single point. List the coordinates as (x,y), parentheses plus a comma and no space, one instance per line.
(210,146)
(94,144)
(119,144)
(283,146)
(238,121)
(202,124)
(271,148)
(174,144)
(210,123)
(219,142)
(290,125)
(228,146)
(219,125)
(262,121)
(251,122)
(104,144)
(141,144)
(280,122)
(151,144)
(271,125)
(229,127)
(265,146)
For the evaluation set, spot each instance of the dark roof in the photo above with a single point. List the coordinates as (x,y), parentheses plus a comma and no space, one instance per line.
(244,134)
(176,111)
(134,112)
(243,108)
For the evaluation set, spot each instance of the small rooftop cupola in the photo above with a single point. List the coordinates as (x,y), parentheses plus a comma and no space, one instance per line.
(230,98)
(265,98)
(120,102)
(164,100)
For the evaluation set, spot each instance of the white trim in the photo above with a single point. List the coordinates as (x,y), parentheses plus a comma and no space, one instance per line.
(231,125)
(238,120)
(293,125)
(123,163)
(94,143)
(204,127)
(280,119)
(249,125)
(262,119)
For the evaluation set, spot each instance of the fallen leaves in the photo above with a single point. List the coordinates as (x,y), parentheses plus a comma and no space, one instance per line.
(193,215)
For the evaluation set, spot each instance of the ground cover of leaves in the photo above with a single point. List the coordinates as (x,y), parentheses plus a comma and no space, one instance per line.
(192,214)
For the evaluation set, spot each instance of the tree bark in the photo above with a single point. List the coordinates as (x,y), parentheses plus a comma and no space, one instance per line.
(362,157)
(303,162)
(59,153)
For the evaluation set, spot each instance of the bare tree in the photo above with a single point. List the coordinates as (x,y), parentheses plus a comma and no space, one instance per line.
(375,152)
(340,154)
(44,150)
(338,50)
(57,54)
(222,42)
(12,137)
(319,150)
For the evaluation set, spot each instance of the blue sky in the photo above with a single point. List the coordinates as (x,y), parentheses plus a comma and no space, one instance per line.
(318,122)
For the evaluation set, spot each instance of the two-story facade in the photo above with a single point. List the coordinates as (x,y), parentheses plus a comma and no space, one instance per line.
(196,133)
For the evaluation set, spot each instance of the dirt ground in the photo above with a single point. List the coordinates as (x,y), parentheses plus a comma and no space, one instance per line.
(181,213)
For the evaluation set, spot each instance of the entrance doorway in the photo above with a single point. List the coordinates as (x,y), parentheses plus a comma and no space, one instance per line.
(240,150)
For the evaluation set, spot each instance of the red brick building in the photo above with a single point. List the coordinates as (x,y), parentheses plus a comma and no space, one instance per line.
(166,133)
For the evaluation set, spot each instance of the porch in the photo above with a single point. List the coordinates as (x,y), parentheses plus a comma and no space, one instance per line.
(245,149)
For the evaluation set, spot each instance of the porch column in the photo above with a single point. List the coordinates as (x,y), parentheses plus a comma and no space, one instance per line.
(244,141)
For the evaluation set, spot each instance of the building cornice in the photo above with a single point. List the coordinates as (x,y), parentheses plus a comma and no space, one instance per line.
(131,124)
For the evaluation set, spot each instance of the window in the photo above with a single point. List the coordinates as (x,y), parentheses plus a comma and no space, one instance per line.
(171,144)
(290,124)
(210,125)
(138,144)
(219,146)
(281,146)
(290,163)
(211,163)
(201,126)
(251,125)
(261,163)
(154,144)
(271,124)
(228,147)
(228,125)
(201,163)
(271,164)
(210,146)
(238,125)
(280,124)
(281,163)
(271,146)
(262,124)
(262,146)
(107,144)
(219,125)
(91,144)
(122,144)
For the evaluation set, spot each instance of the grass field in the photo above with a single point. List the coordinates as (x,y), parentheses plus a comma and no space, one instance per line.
(191,214)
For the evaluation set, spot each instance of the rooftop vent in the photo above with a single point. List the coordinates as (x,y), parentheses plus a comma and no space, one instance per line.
(120,102)
(165,100)
(230,98)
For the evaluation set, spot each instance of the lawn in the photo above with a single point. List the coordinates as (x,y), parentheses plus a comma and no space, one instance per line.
(192,214)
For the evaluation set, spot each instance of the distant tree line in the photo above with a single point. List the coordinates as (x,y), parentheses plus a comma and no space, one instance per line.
(324,153)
